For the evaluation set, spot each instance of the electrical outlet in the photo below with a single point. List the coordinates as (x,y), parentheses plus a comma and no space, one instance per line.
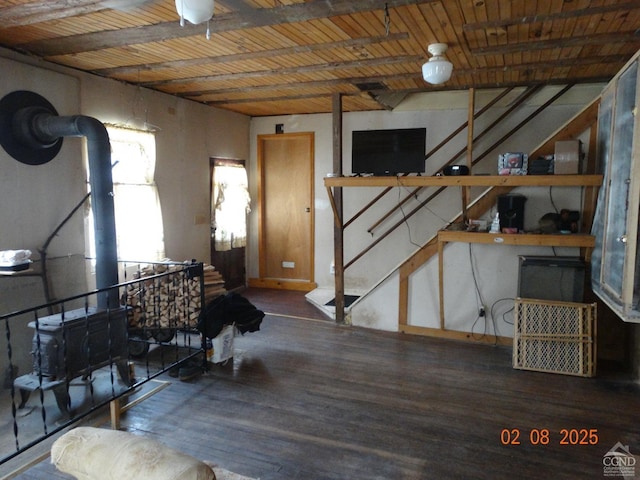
(481,312)
(332,269)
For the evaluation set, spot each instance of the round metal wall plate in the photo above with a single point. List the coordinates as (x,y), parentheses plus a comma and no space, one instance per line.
(29,154)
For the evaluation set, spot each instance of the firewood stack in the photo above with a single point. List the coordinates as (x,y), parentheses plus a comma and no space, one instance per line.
(172,300)
(213,284)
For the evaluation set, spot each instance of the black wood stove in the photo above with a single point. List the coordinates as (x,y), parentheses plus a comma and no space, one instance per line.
(71,345)
(74,344)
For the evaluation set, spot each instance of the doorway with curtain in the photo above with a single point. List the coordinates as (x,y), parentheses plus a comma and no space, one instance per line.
(230,204)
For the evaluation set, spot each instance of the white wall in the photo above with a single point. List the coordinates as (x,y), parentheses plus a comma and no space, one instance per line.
(496,268)
(35,199)
(188,134)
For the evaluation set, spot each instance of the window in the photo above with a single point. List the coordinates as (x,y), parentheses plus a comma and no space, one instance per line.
(231,203)
(139,229)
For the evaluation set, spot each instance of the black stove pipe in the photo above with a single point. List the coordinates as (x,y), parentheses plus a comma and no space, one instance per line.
(37,127)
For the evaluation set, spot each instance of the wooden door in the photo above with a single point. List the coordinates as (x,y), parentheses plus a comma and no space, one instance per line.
(286,225)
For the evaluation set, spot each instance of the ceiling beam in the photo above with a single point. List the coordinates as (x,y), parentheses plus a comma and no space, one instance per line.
(262,17)
(240,6)
(276,99)
(193,94)
(406,91)
(240,57)
(48,10)
(540,18)
(372,62)
(601,39)
(614,60)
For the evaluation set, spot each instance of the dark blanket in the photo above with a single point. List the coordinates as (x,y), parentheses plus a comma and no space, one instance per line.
(229,309)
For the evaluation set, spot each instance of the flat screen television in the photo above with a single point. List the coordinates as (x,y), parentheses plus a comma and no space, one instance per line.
(388,152)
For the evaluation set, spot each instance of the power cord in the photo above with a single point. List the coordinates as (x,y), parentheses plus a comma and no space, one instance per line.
(415,195)
(553,204)
(504,314)
(482,313)
(406,221)
(481,309)
(400,203)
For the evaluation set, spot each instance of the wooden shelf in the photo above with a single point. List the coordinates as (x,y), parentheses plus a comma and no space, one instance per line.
(531,239)
(585,242)
(468,181)
(582,241)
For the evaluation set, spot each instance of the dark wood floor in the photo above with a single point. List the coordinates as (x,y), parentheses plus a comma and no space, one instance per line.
(283,302)
(309,400)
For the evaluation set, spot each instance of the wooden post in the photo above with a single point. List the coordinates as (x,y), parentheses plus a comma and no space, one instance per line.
(441,280)
(466,191)
(114,407)
(338,230)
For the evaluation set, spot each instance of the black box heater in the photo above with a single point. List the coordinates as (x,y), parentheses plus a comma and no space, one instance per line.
(72,345)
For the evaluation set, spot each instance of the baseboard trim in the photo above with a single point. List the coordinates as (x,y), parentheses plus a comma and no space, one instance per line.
(455,335)
(282,284)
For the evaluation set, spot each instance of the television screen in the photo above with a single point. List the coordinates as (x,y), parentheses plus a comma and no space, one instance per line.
(388,152)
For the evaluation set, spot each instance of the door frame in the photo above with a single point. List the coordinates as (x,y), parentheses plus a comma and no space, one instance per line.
(284,284)
(221,161)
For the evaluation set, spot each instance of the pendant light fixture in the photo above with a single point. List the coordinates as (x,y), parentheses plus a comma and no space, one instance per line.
(196,12)
(438,69)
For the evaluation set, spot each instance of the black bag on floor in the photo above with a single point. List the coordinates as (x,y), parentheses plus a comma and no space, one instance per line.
(229,309)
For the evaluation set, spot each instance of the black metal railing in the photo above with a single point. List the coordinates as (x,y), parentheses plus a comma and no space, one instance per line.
(60,367)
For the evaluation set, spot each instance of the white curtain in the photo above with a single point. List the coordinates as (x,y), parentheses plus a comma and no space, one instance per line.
(139,228)
(230,205)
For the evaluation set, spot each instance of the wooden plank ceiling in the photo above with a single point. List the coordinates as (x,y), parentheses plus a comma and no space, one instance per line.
(275,57)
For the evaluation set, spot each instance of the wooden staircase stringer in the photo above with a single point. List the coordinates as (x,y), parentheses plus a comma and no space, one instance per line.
(585,119)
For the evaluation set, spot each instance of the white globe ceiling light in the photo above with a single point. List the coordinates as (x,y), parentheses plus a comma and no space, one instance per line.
(195,11)
(438,69)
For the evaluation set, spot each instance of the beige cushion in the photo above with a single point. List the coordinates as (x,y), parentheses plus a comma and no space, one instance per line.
(98,454)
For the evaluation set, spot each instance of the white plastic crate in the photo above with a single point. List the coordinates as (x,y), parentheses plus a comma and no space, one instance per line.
(555,337)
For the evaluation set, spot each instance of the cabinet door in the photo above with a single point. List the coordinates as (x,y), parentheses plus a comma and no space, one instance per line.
(615,262)
(615,271)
